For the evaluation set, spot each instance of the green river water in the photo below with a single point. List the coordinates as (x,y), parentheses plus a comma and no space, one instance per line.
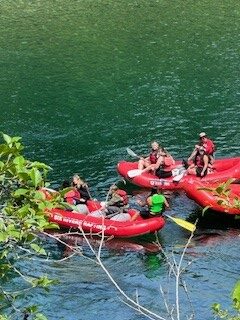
(82,80)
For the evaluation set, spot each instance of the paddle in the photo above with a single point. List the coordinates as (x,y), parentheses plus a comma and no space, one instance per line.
(182,223)
(132,153)
(135,172)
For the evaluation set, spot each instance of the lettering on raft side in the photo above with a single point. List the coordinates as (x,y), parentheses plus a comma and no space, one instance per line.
(80,223)
(160,182)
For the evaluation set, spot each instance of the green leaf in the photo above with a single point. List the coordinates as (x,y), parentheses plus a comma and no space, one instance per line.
(7,138)
(236,294)
(23,176)
(40,316)
(38,195)
(19,161)
(3,236)
(40,165)
(38,249)
(1,165)
(36,177)
(216,307)
(20,192)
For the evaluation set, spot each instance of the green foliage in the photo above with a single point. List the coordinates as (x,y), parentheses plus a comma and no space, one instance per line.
(23,207)
(222,192)
(225,314)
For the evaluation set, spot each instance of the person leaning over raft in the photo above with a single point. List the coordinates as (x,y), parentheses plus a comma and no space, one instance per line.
(118,201)
(156,204)
(116,207)
(208,146)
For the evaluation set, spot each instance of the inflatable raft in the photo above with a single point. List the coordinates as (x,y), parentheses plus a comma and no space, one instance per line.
(222,199)
(91,224)
(224,169)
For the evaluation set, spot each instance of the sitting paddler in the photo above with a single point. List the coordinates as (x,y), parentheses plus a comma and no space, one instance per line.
(76,198)
(155,204)
(201,164)
(162,164)
(208,146)
(82,188)
(152,158)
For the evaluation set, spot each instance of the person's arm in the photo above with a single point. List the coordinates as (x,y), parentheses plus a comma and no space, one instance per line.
(193,154)
(160,162)
(149,201)
(167,206)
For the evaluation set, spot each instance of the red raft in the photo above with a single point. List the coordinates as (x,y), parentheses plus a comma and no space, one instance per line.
(224,169)
(215,200)
(90,224)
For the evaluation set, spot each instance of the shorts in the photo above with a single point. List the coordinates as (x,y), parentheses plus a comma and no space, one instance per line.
(198,172)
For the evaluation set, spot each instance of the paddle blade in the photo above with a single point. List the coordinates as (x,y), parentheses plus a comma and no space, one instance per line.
(178,177)
(183,223)
(133,173)
(132,153)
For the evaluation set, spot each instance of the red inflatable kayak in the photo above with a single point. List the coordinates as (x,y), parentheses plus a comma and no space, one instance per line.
(72,219)
(224,169)
(218,202)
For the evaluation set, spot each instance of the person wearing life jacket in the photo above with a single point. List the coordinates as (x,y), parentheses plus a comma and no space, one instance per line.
(200,165)
(156,204)
(74,199)
(208,146)
(82,188)
(152,158)
(118,201)
(116,208)
(164,165)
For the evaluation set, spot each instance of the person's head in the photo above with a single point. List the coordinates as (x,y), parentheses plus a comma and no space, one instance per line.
(201,150)
(156,190)
(154,145)
(76,180)
(113,188)
(202,136)
(163,151)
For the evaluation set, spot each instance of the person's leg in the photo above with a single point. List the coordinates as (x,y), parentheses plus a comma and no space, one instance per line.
(112,210)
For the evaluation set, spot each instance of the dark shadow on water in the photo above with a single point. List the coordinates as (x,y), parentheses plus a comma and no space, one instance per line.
(214,220)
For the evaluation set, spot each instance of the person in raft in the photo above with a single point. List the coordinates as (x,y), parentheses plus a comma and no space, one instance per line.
(78,196)
(82,188)
(152,158)
(200,166)
(159,161)
(116,207)
(208,146)
(155,204)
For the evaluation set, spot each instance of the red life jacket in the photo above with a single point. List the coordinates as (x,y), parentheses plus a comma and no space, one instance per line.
(71,196)
(123,195)
(199,161)
(153,157)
